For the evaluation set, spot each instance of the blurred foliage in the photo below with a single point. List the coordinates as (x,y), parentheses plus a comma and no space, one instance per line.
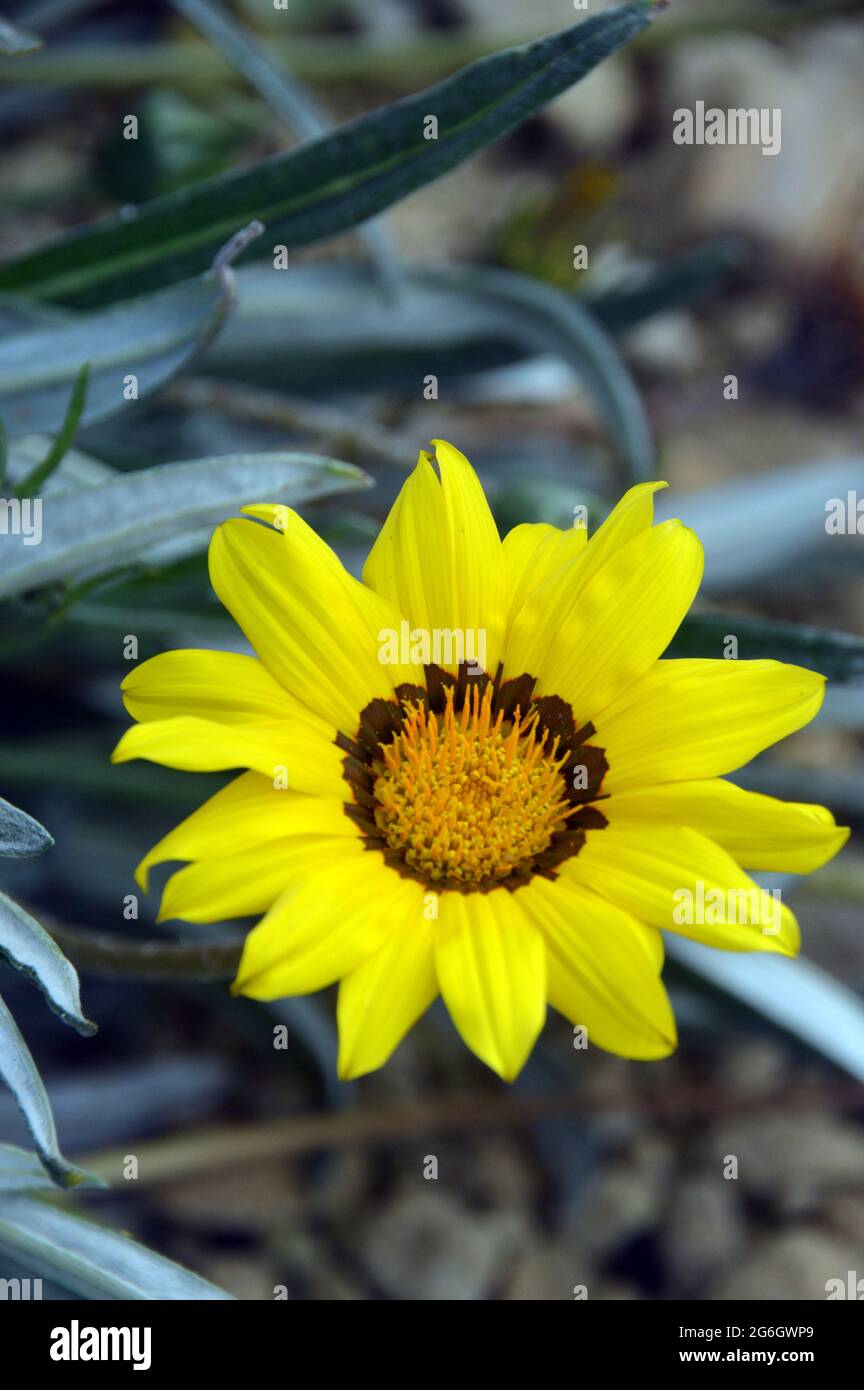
(305,383)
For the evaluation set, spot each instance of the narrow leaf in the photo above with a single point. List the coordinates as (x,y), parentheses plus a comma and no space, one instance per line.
(21,837)
(93,1261)
(329,185)
(837,655)
(132,348)
(32,482)
(287,98)
(28,947)
(761,526)
(14,41)
(21,1171)
(794,994)
(18,1071)
(300,331)
(527,311)
(75,470)
(120,520)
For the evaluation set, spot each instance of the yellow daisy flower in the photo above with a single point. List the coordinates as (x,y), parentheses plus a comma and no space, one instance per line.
(505,822)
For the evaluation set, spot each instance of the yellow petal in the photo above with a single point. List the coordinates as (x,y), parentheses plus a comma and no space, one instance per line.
(315,628)
(384,997)
(290,753)
(759,832)
(679,880)
(686,719)
(591,648)
(603,969)
(326,925)
(241,885)
(438,557)
(633,515)
(534,553)
(242,815)
(491,969)
(224,686)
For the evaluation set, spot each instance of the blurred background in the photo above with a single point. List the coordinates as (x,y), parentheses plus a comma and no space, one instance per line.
(257,1169)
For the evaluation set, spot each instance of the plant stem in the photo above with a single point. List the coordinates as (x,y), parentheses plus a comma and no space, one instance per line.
(273,408)
(226,1147)
(102,953)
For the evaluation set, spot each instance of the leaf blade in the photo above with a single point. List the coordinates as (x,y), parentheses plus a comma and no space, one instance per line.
(149,338)
(837,655)
(21,837)
(92,1260)
(329,185)
(27,947)
(21,1171)
(794,994)
(15,42)
(19,1072)
(41,472)
(177,499)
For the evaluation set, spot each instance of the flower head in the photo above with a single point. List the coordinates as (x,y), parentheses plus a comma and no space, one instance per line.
(474,774)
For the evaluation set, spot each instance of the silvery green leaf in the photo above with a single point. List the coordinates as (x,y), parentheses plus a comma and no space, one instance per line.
(133,347)
(332,322)
(117,522)
(530,313)
(14,41)
(766,524)
(797,996)
(21,837)
(19,1072)
(328,324)
(21,1171)
(29,948)
(325,324)
(93,1261)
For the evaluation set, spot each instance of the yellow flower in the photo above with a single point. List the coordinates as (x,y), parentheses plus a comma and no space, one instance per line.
(504,828)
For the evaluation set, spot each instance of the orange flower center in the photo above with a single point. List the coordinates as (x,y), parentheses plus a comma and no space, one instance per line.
(468,795)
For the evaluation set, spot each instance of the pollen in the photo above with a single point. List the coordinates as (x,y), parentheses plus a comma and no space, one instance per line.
(468,796)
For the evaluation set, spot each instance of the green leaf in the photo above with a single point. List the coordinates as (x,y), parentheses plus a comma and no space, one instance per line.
(21,837)
(329,185)
(149,339)
(674,282)
(90,1260)
(162,511)
(329,322)
(75,470)
(837,655)
(18,1071)
(793,994)
(288,99)
(29,948)
(757,527)
(21,1171)
(32,482)
(14,42)
(529,312)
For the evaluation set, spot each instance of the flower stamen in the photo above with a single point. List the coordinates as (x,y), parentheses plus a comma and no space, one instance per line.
(471,797)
